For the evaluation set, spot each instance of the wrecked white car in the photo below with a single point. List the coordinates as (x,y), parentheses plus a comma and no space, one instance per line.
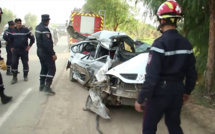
(112,65)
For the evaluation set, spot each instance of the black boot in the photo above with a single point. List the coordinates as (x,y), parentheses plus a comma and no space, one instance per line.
(9,71)
(14,80)
(42,83)
(25,75)
(41,88)
(5,99)
(48,89)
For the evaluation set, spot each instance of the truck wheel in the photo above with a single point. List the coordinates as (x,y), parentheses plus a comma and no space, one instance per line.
(71,76)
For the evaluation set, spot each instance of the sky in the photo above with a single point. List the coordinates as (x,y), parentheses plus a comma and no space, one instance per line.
(59,10)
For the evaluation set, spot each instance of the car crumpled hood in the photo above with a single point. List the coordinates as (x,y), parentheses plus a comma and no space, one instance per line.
(136,65)
(74,34)
(104,37)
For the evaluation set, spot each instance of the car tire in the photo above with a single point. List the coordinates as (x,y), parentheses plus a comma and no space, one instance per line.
(71,73)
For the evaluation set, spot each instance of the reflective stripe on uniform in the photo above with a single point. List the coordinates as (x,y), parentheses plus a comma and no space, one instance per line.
(44,32)
(42,75)
(178,52)
(168,53)
(20,33)
(157,50)
(50,76)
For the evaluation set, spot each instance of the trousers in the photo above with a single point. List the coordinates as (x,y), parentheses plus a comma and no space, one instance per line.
(159,105)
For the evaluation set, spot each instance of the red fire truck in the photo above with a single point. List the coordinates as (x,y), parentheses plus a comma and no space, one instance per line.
(85,24)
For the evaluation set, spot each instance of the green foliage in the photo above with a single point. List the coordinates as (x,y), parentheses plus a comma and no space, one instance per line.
(30,20)
(117,11)
(6,16)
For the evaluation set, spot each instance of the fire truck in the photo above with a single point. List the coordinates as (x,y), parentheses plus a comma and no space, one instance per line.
(85,24)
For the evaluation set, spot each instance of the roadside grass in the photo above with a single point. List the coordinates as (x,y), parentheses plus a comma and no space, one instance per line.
(199,96)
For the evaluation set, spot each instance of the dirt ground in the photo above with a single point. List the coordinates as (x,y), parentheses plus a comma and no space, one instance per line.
(203,116)
(64,114)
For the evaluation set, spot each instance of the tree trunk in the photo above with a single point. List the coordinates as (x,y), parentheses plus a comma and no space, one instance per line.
(115,27)
(209,75)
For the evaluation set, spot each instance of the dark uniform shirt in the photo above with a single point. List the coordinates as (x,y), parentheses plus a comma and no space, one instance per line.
(19,38)
(171,60)
(44,38)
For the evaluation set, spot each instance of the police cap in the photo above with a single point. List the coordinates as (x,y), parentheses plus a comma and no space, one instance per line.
(11,23)
(45,17)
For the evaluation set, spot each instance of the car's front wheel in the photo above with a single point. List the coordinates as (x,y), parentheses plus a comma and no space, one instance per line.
(71,75)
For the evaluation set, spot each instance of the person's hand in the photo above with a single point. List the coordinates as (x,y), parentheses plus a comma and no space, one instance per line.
(11,50)
(186,98)
(54,57)
(27,48)
(138,107)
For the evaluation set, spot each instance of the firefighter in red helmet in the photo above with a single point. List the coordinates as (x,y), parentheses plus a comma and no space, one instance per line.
(170,74)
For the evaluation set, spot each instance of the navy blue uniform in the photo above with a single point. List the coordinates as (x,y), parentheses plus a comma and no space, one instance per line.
(8,47)
(45,52)
(19,40)
(170,73)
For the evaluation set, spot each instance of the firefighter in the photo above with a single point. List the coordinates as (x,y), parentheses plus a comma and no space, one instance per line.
(170,74)
(4,98)
(20,48)
(11,25)
(46,55)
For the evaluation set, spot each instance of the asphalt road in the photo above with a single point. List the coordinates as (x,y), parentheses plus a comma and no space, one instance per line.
(32,112)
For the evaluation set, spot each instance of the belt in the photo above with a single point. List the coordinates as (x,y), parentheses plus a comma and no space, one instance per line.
(171,78)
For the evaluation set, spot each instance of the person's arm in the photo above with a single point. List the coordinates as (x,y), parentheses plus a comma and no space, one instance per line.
(190,78)
(153,69)
(5,35)
(191,75)
(31,37)
(47,41)
(10,40)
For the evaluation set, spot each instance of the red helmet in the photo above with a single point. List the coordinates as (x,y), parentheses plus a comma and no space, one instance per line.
(169,9)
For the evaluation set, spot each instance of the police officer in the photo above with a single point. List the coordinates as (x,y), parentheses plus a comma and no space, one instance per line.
(11,25)
(19,38)
(170,74)
(4,99)
(46,55)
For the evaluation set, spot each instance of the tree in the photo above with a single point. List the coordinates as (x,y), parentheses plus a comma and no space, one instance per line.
(30,20)
(209,77)
(7,16)
(117,11)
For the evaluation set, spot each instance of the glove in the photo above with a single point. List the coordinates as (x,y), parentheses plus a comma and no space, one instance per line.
(3,65)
